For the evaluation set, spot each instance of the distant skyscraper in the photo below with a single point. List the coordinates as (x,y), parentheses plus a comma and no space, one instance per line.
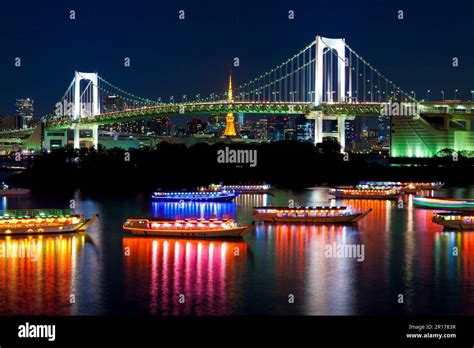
(276,127)
(112,103)
(261,131)
(304,129)
(240,119)
(24,109)
(384,130)
(196,126)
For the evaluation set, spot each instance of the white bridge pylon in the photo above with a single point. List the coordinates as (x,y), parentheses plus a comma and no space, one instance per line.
(85,103)
(324,44)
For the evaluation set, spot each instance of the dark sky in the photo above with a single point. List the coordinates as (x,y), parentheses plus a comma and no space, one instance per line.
(175,57)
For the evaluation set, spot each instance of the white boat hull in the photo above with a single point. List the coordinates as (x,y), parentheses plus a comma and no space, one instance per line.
(341,219)
(216,233)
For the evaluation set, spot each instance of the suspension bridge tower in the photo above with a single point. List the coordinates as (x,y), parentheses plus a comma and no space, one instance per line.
(230,120)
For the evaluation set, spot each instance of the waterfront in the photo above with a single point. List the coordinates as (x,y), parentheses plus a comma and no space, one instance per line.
(107,271)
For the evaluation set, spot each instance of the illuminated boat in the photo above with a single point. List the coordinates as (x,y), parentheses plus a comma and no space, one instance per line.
(407,187)
(308,215)
(39,221)
(365,192)
(196,196)
(7,191)
(189,228)
(455,220)
(260,189)
(443,203)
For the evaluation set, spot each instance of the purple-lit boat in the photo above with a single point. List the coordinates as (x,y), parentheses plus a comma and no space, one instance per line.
(195,196)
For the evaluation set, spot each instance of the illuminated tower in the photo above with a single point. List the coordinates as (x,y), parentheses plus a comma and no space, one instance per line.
(229,120)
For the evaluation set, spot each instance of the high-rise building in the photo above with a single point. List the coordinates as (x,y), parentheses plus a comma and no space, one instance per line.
(112,103)
(24,108)
(304,129)
(196,126)
(10,122)
(276,127)
(384,130)
(240,119)
(261,131)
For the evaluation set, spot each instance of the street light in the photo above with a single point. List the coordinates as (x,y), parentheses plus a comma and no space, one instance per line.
(172,99)
(414,94)
(442,94)
(428,95)
(455,94)
(472,96)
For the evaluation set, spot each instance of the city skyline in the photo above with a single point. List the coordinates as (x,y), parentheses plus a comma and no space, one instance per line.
(188,67)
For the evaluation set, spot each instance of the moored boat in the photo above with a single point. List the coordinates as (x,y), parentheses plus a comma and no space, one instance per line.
(455,220)
(189,228)
(365,193)
(308,215)
(256,189)
(407,187)
(40,221)
(443,203)
(195,196)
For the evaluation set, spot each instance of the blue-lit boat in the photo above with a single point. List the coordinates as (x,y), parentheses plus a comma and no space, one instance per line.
(195,196)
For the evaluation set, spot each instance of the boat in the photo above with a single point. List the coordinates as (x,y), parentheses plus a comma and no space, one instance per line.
(40,221)
(249,189)
(196,196)
(308,215)
(365,192)
(7,191)
(443,203)
(455,220)
(252,189)
(407,187)
(189,228)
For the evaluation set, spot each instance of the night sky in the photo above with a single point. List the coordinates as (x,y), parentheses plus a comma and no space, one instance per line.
(175,57)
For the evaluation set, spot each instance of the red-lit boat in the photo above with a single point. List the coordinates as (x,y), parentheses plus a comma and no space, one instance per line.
(309,215)
(189,228)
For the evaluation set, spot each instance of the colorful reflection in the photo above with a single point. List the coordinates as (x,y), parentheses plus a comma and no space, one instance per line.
(179,276)
(454,269)
(307,261)
(37,274)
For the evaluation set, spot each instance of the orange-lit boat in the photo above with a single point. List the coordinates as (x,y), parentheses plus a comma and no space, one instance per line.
(189,228)
(40,221)
(407,187)
(365,193)
(309,215)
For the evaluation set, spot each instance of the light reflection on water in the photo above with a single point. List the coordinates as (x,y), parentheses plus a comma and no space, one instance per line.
(404,253)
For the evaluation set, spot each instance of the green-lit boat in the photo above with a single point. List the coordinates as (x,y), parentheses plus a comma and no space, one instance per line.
(443,203)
